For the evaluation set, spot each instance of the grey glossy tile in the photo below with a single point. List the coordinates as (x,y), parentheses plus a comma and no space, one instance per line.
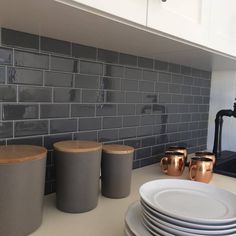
(150,98)
(145,62)
(35,94)
(126,109)
(149,161)
(19,39)
(110,83)
(30,59)
(86,124)
(82,110)
(164,77)
(174,88)
(106,110)
(188,80)
(6,129)
(174,68)
(64,64)
(87,81)
(126,59)
(129,85)
(143,153)
(158,150)
(143,109)
(177,79)
(6,56)
(146,86)
(51,139)
(161,65)
(145,130)
(205,91)
(206,74)
(130,121)
(113,70)
(135,143)
(91,135)
(150,141)
(66,95)
(186,89)
(185,70)
(93,68)
(63,126)
(206,100)
(133,97)
(38,141)
(114,97)
(112,122)
(148,120)
(107,135)
(7,93)
(150,75)
(19,111)
(24,76)
(58,79)
(93,96)
(108,56)
(165,98)
(162,87)
(177,98)
(196,72)
(133,73)
(196,90)
(83,51)
(55,45)
(126,133)
(54,110)
(30,128)
(197,99)
(2,75)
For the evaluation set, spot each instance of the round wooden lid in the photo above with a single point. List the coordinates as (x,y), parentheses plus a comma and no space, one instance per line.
(117,149)
(77,146)
(20,153)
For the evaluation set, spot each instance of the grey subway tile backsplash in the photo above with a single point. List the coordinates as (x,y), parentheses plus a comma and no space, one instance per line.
(56,90)
(55,45)
(31,59)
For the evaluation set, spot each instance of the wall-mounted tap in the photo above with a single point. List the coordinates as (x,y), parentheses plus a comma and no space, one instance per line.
(218,128)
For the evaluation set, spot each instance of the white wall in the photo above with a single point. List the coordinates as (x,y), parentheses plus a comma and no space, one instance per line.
(223,93)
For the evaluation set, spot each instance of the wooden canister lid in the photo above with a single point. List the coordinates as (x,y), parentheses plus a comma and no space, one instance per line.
(117,149)
(77,146)
(20,153)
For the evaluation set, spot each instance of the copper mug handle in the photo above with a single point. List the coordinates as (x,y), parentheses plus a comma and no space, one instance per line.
(164,167)
(190,172)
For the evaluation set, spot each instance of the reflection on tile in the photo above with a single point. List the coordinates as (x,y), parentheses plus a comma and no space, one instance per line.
(89,124)
(83,51)
(29,128)
(55,45)
(82,110)
(2,75)
(35,94)
(162,87)
(106,110)
(148,120)
(19,112)
(93,68)
(114,97)
(6,129)
(50,140)
(63,126)
(58,79)
(112,122)
(87,81)
(64,64)
(107,56)
(24,76)
(150,98)
(5,56)
(110,83)
(113,70)
(7,93)
(66,95)
(93,96)
(177,79)
(143,109)
(54,110)
(29,59)
(20,39)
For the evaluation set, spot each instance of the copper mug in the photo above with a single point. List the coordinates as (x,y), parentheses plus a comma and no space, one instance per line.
(209,155)
(201,169)
(179,149)
(173,163)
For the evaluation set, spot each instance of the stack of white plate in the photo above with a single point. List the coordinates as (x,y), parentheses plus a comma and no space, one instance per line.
(182,207)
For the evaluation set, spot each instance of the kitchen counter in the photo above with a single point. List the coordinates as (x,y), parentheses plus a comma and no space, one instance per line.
(108,218)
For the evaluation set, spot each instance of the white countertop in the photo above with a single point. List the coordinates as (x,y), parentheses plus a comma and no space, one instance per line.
(108,218)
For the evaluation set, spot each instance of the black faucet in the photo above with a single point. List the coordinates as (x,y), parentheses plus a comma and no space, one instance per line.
(218,129)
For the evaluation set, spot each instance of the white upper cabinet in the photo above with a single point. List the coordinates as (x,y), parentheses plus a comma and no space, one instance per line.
(222,36)
(131,10)
(185,19)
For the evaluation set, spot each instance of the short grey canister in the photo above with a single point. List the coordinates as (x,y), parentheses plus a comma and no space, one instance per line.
(22,180)
(116,170)
(77,175)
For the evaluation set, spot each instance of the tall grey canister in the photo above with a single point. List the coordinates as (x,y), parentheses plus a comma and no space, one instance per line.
(116,171)
(22,178)
(77,175)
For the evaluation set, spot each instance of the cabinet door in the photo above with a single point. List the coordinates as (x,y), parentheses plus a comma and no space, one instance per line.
(186,19)
(132,10)
(222,35)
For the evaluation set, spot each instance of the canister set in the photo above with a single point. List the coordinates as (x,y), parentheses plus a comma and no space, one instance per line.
(200,166)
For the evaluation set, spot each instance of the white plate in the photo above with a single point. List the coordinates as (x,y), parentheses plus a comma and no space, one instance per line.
(190,201)
(181,231)
(184,223)
(133,220)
